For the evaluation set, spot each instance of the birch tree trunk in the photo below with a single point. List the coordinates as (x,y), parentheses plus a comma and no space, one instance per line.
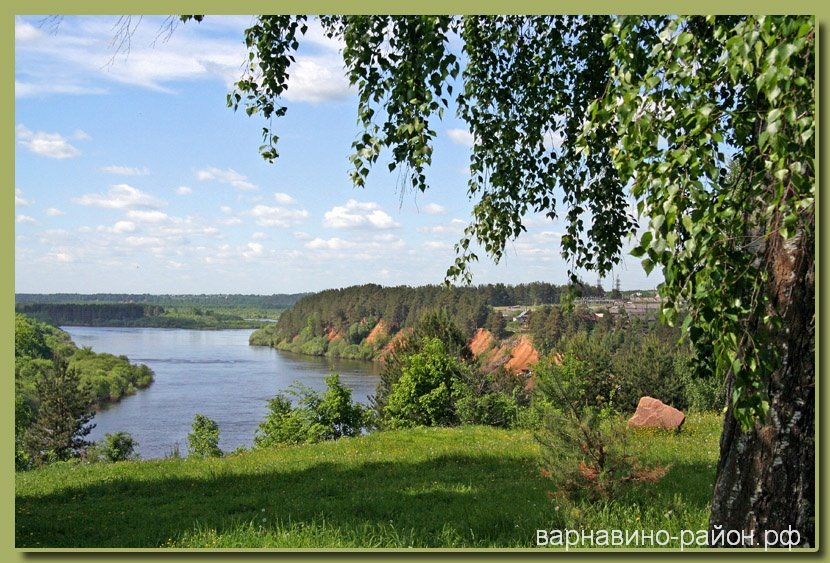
(765,481)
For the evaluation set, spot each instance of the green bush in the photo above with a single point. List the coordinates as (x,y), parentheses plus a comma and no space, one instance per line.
(621,366)
(316,346)
(115,447)
(336,348)
(351,351)
(493,409)
(584,447)
(265,336)
(315,417)
(203,440)
(436,324)
(530,417)
(30,338)
(23,417)
(701,394)
(428,388)
(645,366)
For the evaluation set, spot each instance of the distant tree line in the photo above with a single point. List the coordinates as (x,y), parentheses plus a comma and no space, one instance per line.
(399,307)
(143,315)
(275,301)
(88,313)
(535,293)
(336,322)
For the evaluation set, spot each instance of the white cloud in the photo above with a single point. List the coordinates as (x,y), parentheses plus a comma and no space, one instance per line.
(267,216)
(356,214)
(120,196)
(80,58)
(229,176)
(24,31)
(63,257)
(434,209)
(382,249)
(329,244)
(184,190)
(315,35)
(81,135)
(317,74)
(144,241)
(548,236)
(285,199)
(436,245)
(316,79)
(126,170)
(54,212)
(51,145)
(454,227)
(461,137)
(19,199)
(259,235)
(147,216)
(124,227)
(25,219)
(55,232)
(26,89)
(386,238)
(254,249)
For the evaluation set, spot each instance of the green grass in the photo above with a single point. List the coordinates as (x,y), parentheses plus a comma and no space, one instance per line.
(462,487)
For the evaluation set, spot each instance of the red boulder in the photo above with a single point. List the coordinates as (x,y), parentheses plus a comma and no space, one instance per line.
(652,413)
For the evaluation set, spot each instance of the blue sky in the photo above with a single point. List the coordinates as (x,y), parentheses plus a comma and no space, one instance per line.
(132,175)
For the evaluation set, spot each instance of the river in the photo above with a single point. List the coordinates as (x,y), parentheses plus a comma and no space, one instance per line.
(210,372)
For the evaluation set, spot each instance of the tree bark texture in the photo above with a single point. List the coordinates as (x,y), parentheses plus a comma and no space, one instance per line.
(765,481)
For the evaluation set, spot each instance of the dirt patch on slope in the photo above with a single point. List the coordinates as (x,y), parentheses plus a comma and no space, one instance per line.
(482,340)
(516,354)
(522,356)
(392,343)
(377,332)
(332,333)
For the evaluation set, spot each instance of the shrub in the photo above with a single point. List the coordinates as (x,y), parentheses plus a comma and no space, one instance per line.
(645,365)
(203,440)
(314,418)
(174,452)
(336,348)
(22,419)
(628,364)
(115,447)
(316,346)
(436,324)
(428,388)
(584,447)
(493,409)
(701,393)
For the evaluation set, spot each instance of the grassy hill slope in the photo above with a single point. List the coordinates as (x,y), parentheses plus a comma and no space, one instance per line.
(428,487)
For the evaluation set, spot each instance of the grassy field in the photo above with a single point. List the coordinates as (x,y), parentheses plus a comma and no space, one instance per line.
(461,487)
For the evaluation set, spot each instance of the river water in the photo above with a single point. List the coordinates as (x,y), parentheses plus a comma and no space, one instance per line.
(214,373)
